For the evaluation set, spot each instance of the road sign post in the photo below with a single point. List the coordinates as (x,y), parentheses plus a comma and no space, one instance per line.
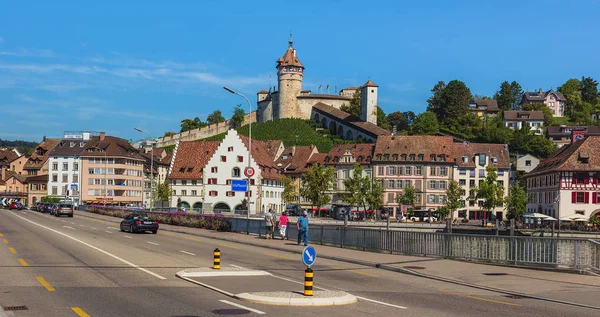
(309,256)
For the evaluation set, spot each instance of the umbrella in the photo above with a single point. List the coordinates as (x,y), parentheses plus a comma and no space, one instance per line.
(566,219)
(535,215)
(549,219)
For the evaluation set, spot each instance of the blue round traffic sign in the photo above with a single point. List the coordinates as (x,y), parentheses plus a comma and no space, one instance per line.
(309,255)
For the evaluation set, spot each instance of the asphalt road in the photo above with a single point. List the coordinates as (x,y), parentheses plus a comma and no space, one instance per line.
(85,267)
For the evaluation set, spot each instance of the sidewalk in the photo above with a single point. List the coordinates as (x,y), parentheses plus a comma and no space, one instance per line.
(558,286)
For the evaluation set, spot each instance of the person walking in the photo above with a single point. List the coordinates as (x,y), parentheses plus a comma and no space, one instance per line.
(269,224)
(302,226)
(283,220)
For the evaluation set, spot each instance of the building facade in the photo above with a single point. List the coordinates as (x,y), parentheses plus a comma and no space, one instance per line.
(342,159)
(484,107)
(517,120)
(64,162)
(37,164)
(561,135)
(37,188)
(552,99)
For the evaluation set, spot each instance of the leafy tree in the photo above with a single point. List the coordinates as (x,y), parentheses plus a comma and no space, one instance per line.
(397,119)
(541,146)
(409,116)
(449,101)
(382,120)
(189,124)
(169,133)
(315,184)
(517,95)
(408,197)
(516,201)
(426,123)
(162,192)
(238,117)
(453,196)
(374,196)
(548,116)
(504,97)
(495,132)
(355,194)
(571,90)
(436,101)
(289,190)
(490,191)
(354,106)
(589,90)
(215,117)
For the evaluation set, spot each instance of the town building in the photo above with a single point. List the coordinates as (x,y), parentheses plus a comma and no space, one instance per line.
(37,164)
(64,178)
(517,120)
(470,171)
(484,107)
(37,187)
(561,135)
(8,162)
(566,184)
(158,161)
(294,162)
(552,99)
(342,159)
(345,125)
(111,172)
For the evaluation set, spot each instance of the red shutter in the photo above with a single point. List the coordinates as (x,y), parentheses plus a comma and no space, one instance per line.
(573,197)
(595,181)
(587,180)
(587,197)
(594,198)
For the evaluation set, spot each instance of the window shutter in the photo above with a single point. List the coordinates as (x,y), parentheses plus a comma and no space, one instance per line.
(587,197)
(587,180)
(573,197)
(594,198)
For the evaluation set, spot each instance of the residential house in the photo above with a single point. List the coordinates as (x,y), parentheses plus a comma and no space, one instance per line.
(16,187)
(65,168)
(342,158)
(470,172)
(10,160)
(518,119)
(552,99)
(423,162)
(561,135)
(111,172)
(294,162)
(159,162)
(37,164)
(484,107)
(566,184)
(522,165)
(37,187)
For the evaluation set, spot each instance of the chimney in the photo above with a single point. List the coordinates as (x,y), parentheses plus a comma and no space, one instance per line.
(541,91)
(102,135)
(44,139)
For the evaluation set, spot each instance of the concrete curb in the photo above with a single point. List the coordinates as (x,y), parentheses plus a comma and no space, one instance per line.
(223,272)
(315,300)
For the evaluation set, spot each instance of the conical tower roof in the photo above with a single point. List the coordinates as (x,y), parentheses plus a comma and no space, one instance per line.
(289,58)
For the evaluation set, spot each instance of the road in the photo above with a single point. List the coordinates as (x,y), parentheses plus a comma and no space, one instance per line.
(83,266)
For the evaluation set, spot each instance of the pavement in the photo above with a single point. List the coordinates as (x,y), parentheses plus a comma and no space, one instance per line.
(83,266)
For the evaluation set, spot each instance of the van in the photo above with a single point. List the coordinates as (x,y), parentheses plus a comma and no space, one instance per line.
(64,208)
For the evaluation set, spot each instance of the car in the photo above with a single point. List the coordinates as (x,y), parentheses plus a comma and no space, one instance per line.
(139,222)
(46,208)
(64,208)
(38,206)
(15,205)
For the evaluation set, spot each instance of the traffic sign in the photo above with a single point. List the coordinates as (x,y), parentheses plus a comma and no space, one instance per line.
(238,185)
(249,171)
(309,255)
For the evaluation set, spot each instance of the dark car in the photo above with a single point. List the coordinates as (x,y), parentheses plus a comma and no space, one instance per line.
(52,209)
(46,208)
(139,222)
(64,208)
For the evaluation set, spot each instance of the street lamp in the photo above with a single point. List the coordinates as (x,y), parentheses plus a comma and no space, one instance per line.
(105,170)
(151,168)
(249,143)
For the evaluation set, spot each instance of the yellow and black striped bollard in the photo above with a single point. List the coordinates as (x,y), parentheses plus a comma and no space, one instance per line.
(308,282)
(217,259)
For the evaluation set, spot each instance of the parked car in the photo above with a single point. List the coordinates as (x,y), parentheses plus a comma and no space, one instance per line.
(38,206)
(46,208)
(138,222)
(64,208)
(15,205)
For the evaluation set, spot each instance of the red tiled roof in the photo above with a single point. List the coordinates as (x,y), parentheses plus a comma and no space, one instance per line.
(19,177)
(38,178)
(263,158)
(362,153)
(351,120)
(113,146)
(370,83)
(289,59)
(426,145)
(294,159)
(469,150)
(64,148)
(8,156)
(36,161)
(580,156)
(272,146)
(191,158)
(317,158)
(490,105)
(523,115)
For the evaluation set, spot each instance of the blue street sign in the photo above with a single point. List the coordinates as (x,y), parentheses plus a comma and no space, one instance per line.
(309,255)
(238,185)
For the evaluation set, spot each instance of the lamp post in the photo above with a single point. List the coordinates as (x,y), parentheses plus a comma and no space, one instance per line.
(151,168)
(249,143)
(105,170)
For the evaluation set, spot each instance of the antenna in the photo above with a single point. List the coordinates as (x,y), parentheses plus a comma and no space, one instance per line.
(335,91)
(319,89)
(327,89)
(270,76)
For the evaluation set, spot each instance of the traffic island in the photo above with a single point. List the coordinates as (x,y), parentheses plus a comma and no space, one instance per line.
(319,298)
(224,271)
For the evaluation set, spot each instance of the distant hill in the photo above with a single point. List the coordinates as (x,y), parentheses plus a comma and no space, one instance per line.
(291,132)
(25,147)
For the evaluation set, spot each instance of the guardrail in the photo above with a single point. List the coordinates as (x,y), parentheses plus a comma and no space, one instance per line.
(567,253)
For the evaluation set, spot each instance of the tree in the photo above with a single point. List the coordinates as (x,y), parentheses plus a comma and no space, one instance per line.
(354,106)
(189,124)
(517,95)
(398,120)
(169,133)
(435,102)
(238,117)
(315,184)
(408,197)
(516,201)
(449,101)
(490,191)
(382,121)
(453,196)
(409,116)
(355,194)
(504,97)
(589,90)
(571,90)
(215,117)
(426,123)
(374,194)
(289,190)
(162,192)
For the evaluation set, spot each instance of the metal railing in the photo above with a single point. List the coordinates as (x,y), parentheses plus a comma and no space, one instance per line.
(569,253)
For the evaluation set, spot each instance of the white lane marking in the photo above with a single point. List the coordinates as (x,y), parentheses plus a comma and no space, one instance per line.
(242,307)
(113,228)
(239,267)
(108,231)
(190,253)
(95,248)
(128,237)
(94,228)
(63,221)
(152,243)
(72,223)
(69,227)
(81,225)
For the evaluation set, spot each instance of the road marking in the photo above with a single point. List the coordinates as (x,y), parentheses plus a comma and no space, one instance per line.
(95,248)
(113,228)
(153,243)
(242,307)
(166,234)
(354,271)
(72,223)
(128,237)
(23,263)
(1,235)
(190,253)
(94,228)
(79,312)
(5,241)
(81,225)
(280,256)
(481,298)
(12,250)
(69,227)
(380,303)
(108,231)
(239,267)
(228,246)
(45,284)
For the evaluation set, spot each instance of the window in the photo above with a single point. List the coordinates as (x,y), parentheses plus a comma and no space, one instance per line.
(482,159)
(54,190)
(214,169)
(412,157)
(431,199)
(403,157)
(442,199)
(75,178)
(391,170)
(462,182)
(500,172)
(75,166)
(399,184)
(110,182)
(212,181)
(230,149)
(55,166)
(65,166)
(223,158)
(421,157)
(471,173)
(407,183)
(390,197)
(408,170)
(481,173)
(65,178)
(194,182)
(443,171)
(213,193)
(391,184)
(472,183)
(194,192)
(418,185)
(230,194)
(184,182)
(418,199)
(432,185)
(528,163)
(240,158)
(443,185)
(54,178)
(432,157)
(184,192)
(228,182)
(380,170)
(174,192)
(432,171)
(418,170)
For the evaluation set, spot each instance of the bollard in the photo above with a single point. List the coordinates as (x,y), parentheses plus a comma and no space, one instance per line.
(308,282)
(217,259)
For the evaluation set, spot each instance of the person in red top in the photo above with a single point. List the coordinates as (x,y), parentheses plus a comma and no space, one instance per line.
(283,220)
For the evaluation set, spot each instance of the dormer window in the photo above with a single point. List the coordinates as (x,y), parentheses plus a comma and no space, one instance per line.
(432,157)
(421,157)
(465,159)
(403,157)
(285,156)
(495,160)
(190,169)
(81,144)
(182,170)
(379,157)
(327,159)
(386,157)
(395,157)
(72,144)
(442,158)
(412,157)
(360,159)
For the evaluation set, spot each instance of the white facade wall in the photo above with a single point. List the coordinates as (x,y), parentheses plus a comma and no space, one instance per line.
(537,126)
(185,190)
(56,166)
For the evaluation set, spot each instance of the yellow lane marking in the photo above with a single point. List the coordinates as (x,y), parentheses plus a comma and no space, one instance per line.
(45,284)
(166,234)
(12,250)
(355,271)
(280,256)
(482,299)
(23,263)
(79,312)
(1,235)
(228,246)
(5,241)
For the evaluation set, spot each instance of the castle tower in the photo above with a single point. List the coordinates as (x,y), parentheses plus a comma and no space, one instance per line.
(368,102)
(289,75)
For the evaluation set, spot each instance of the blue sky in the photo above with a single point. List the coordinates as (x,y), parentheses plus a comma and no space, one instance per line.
(115,65)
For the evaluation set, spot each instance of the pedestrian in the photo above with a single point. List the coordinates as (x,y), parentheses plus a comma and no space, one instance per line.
(269,224)
(302,226)
(283,220)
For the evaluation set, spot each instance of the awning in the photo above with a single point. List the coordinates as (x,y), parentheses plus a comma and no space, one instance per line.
(95,202)
(574,218)
(535,215)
